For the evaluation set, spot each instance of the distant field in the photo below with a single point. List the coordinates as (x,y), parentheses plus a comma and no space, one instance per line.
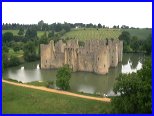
(25,100)
(92,33)
(82,34)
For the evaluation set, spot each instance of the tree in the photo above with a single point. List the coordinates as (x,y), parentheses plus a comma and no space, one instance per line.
(135,91)
(135,43)
(148,44)
(67,27)
(5,60)
(51,34)
(21,31)
(7,37)
(125,37)
(31,33)
(99,25)
(40,24)
(14,61)
(44,39)
(63,76)
(30,51)
(16,47)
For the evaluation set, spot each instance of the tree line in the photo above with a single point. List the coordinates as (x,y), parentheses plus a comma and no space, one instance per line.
(57,27)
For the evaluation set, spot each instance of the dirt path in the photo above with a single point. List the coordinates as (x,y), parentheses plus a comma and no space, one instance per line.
(57,91)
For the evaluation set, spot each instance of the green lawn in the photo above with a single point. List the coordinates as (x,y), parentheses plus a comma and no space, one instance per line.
(25,100)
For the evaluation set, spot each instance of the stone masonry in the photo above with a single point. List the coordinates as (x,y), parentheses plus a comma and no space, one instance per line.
(95,56)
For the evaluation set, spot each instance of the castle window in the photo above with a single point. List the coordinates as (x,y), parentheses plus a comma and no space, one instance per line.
(87,52)
(112,61)
(104,65)
(45,66)
(46,61)
(98,58)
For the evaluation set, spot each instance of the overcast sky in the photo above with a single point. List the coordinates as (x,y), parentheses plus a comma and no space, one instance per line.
(109,14)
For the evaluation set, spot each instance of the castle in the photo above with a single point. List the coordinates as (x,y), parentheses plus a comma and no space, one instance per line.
(95,56)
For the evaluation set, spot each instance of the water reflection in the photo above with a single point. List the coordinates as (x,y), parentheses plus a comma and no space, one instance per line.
(127,68)
(81,81)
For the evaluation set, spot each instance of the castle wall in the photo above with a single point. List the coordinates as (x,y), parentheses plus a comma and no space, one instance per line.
(85,62)
(96,56)
(101,61)
(113,53)
(47,55)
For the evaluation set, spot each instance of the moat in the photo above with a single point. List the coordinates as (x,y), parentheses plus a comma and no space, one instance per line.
(81,81)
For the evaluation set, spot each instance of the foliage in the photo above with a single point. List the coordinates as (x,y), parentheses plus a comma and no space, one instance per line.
(30,51)
(99,25)
(31,33)
(7,37)
(14,61)
(5,60)
(5,48)
(135,91)
(51,34)
(21,31)
(44,39)
(148,44)
(63,76)
(125,36)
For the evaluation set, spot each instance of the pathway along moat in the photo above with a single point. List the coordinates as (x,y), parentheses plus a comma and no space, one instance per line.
(81,81)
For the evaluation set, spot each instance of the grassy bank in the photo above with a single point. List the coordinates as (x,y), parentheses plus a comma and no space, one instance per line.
(24,100)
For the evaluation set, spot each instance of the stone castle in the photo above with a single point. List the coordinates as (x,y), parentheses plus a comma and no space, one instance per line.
(95,56)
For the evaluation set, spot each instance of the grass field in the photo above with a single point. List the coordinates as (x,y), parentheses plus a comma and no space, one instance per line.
(82,34)
(24,100)
(92,33)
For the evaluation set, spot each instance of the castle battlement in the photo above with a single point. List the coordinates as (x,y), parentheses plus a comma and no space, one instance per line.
(95,56)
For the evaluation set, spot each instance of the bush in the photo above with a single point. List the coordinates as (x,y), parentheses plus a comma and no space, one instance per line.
(14,61)
(135,91)
(63,77)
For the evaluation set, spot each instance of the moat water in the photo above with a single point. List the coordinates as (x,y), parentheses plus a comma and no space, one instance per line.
(81,81)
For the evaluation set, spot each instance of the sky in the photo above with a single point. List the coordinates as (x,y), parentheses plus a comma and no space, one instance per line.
(132,14)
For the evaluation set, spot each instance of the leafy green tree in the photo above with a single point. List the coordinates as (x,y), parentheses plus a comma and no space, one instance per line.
(16,47)
(125,37)
(63,77)
(135,43)
(40,25)
(67,27)
(148,44)
(31,33)
(5,48)
(5,60)
(51,34)
(14,61)
(30,51)
(7,37)
(44,39)
(135,91)
(99,25)
(21,31)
